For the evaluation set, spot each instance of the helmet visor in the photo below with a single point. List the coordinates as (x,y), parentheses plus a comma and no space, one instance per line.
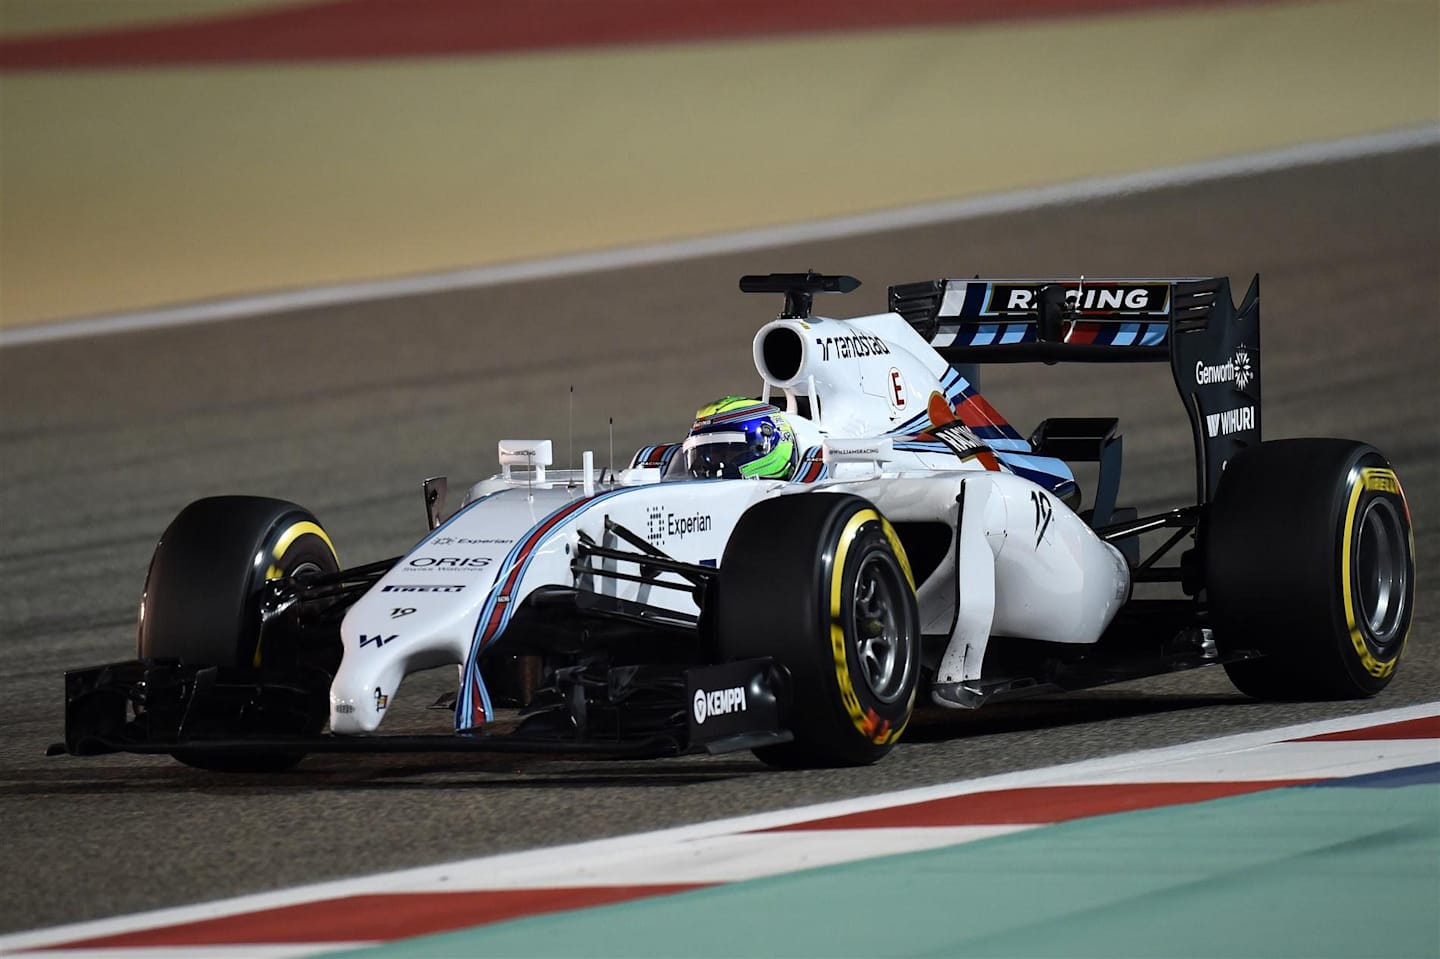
(713,456)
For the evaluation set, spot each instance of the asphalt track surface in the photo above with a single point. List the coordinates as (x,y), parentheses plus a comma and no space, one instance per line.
(345,409)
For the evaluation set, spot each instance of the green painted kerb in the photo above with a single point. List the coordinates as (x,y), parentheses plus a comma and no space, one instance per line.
(1311,872)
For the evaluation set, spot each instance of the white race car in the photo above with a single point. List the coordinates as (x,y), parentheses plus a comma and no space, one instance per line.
(794,572)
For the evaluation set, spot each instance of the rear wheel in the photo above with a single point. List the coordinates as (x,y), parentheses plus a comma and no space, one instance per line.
(821,583)
(202,601)
(1310,560)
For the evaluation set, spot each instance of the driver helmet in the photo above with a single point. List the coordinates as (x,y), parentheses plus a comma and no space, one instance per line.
(738,438)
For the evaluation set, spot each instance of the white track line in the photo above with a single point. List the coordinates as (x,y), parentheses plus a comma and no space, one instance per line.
(1284,760)
(1305,154)
(479,873)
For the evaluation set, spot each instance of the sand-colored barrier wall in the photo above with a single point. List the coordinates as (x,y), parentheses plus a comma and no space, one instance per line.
(125,188)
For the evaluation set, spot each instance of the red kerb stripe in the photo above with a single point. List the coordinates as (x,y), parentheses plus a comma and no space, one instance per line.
(376,917)
(1038,804)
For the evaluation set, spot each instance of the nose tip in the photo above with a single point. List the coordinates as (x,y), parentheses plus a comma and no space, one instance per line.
(349,717)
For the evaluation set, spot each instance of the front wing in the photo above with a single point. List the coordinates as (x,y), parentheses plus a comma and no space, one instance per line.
(167,706)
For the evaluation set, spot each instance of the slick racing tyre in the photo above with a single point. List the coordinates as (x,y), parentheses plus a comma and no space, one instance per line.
(1310,561)
(202,602)
(821,583)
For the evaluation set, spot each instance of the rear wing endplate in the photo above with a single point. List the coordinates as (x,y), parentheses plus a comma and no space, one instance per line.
(1213,345)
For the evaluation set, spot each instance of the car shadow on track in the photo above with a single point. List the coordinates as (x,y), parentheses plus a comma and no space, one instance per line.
(421,772)
(933,724)
(112,775)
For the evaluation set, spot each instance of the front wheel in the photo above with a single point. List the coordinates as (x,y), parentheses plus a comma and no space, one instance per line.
(821,583)
(1310,561)
(202,605)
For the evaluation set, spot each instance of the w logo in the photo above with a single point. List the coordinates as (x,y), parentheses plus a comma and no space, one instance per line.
(1230,421)
(376,641)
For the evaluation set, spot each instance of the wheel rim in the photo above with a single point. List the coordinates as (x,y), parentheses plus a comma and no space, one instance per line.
(306,568)
(881,629)
(1381,569)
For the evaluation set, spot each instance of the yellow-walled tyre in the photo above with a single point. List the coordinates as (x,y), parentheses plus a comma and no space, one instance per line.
(821,583)
(202,601)
(1310,560)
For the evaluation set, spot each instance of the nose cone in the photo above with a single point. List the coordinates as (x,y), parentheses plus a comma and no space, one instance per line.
(357,715)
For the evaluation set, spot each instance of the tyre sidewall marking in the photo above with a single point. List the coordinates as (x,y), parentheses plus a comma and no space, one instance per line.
(1381,481)
(291,534)
(882,733)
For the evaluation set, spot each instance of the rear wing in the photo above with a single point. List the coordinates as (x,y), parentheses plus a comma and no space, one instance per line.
(1213,345)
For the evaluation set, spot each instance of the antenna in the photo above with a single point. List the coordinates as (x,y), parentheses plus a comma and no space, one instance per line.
(572,435)
(1073,314)
(612,449)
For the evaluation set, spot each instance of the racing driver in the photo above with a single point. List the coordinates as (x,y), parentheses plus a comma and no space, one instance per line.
(737,438)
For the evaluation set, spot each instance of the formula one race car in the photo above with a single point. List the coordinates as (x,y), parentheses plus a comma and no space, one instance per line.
(792,574)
